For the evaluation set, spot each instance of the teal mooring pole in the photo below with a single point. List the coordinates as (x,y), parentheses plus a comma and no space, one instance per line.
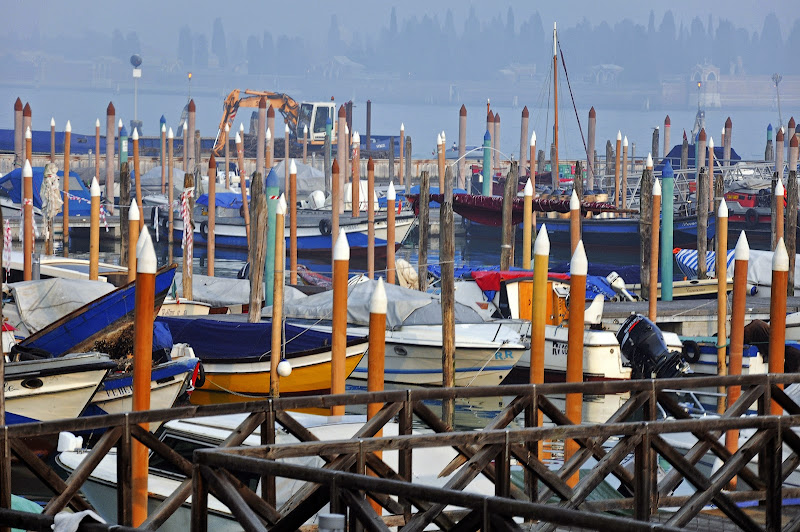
(273,192)
(667,199)
(487,165)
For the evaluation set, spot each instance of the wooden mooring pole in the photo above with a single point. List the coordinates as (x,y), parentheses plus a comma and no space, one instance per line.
(258,248)
(702,221)
(94,231)
(423,222)
(65,212)
(97,148)
(164,157)
(211,223)
(574,221)
(146,266)
(527,214)
(187,205)
(371,219)
(447,264)
(243,186)
(509,193)
(355,200)
(645,226)
(779,207)
(341,268)
(276,354)
(722,287)
(652,297)
(170,193)
(110,136)
(292,224)
(137,174)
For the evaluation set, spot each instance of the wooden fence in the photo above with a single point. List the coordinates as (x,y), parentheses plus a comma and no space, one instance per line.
(354,474)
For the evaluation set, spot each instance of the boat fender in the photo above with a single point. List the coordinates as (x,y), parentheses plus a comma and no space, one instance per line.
(691,351)
(204,230)
(200,376)
(325,226)
(751,218)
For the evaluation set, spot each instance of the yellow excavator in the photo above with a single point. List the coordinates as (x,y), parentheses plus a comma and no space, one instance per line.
(312,115)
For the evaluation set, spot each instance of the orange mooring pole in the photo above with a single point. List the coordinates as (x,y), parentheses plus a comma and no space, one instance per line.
(279,278)
(722,287)
(65,214)
(212,215)
(243,186)
(355,164)
(777,314)
(94,231)
(341,267)
(652,297)
(779,199)
(133,238)
(541,258)
(578,269)
(376,354)
(741,257)
(142,366)
(391,197)
(27,229)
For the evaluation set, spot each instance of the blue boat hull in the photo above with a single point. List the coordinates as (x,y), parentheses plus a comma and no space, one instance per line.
(101,319)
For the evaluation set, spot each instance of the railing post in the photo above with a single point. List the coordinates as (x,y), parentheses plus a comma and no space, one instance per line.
(5,471)
(774,478)
(764,406)
(502,469)
(268,489)
(404,458)
(531,420)
(199,500)
(124,472)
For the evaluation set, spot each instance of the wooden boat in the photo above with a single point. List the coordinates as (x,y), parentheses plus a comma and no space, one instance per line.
(313,230)
(53,388)
(102,322)
(243,366)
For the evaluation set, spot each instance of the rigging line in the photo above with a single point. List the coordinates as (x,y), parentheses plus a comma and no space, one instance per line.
(572,97)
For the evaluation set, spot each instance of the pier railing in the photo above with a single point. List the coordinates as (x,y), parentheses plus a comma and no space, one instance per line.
(356,479)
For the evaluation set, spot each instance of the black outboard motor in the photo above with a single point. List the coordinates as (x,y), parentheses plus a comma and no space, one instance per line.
(643,345)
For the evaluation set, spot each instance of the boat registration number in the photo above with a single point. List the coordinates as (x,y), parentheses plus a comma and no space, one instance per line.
(559,348)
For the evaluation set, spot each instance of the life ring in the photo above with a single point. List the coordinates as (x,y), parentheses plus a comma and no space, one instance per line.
(751,218)
(204,230)
(691,352)
(325,226)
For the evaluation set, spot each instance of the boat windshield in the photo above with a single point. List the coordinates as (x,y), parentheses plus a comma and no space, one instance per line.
(186,447)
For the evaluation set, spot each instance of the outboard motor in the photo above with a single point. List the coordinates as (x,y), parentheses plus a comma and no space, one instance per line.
(642,343)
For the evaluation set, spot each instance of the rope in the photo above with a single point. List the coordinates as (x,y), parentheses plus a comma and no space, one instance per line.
(491,357)
(589,158)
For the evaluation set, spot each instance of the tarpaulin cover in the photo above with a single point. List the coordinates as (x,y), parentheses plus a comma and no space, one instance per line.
(491,280)
(11,184)
(162,338)
(226,200)
(234,338)
(674,157)
(405,307)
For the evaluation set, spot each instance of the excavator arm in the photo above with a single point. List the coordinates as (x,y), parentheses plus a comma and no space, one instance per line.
(284,103)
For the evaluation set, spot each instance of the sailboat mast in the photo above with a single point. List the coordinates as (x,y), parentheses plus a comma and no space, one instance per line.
(554,175)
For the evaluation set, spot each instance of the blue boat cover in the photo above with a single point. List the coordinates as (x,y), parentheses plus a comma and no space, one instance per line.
(226,200)
(79,204)
(162,338)
(226,339)
(687,260)
(674,157)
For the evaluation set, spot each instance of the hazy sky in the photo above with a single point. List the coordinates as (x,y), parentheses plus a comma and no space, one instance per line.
(157,21)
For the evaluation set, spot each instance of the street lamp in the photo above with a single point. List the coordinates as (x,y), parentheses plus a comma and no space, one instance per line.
(776,78)
(136,61)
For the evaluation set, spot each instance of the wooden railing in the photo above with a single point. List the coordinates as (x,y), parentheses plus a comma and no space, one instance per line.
(354,474)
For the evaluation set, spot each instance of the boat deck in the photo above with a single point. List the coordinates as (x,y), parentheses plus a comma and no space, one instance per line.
(689,317)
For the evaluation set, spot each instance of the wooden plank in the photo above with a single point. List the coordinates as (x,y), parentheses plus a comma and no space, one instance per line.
(228,495)
(363,511)
(199,501)
(125,477)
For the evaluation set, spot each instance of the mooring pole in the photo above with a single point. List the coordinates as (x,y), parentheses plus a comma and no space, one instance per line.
(279,278)
(578,269)
(212,215)
(341,267)
(170,192)
(27,226)
(243,186)
(777,315)
(655,222)
(292,223)
(142,366)
(741,258)
(527,214)
(137,173)
(667,199)
(391,198)
(574,221)
(371,219)
(65,213)
(133,239)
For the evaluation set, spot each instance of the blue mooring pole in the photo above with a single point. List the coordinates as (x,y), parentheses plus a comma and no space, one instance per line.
(486,171)
(667,199)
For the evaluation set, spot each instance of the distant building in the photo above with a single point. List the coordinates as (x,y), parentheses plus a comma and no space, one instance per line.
(707,92)
(605,75)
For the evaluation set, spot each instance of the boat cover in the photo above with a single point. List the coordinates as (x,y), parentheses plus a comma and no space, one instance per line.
(40,303)
(234,338)
(79,203)
(309,178)
(674,157)
(405,307)
(226,200)
(759,267)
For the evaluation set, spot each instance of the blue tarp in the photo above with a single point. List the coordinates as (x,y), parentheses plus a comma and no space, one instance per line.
(11,185)
(226,339)
(674,157)
(82,144)
(226,200)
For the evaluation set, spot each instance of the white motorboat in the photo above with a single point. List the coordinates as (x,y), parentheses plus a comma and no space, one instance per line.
(187,435)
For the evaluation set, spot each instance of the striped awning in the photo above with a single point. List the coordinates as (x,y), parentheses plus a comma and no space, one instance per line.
(687,260)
